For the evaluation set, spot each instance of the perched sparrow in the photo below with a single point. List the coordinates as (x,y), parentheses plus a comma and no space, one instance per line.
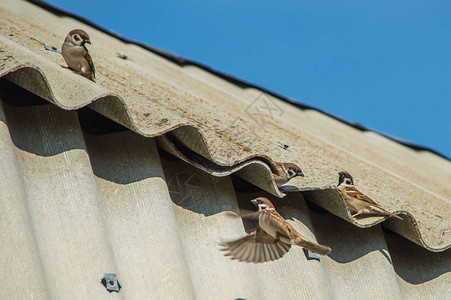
(76,55)
(287,171)
(357,201)
(271,240)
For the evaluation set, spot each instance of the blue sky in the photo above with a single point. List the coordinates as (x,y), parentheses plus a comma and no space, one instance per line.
(384,64)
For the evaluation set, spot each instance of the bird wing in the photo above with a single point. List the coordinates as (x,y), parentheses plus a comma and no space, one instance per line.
(373,206)
(256,247)
(276,221)
(285,229)
(90,62)
(354,193)
(248,214)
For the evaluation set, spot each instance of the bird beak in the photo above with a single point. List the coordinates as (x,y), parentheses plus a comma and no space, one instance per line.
(88,41)
(301,174)
(254,201)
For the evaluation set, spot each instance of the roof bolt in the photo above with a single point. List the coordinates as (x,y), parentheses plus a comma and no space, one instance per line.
(109,280)
(310,255)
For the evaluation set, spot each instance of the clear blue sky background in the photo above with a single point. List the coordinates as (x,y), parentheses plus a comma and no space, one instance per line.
(384,64)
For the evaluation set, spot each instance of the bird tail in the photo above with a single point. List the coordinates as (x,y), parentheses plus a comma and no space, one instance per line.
(386,213)
(317,248)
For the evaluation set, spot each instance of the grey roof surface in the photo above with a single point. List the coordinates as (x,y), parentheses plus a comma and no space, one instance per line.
(182,61)
(75,205)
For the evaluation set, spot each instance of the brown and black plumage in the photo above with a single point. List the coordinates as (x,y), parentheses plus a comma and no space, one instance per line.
(357,201)
(76,54)
(287,171)
(271,240)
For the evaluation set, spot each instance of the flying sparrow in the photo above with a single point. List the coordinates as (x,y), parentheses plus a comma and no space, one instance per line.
(357,201)
(76,55)
(287,171)
(271,240)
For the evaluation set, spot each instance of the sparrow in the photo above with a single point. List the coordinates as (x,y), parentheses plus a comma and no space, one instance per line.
(287,171)
(76,55)
(357,201)
(271,240)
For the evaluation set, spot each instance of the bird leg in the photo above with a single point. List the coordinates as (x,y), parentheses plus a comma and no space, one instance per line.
(357,213)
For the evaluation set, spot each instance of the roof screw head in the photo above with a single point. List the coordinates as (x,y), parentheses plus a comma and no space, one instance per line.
(111,283)
(311,255)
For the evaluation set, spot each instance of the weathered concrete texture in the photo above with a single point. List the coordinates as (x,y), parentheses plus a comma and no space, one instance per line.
(75,205)
(140,219)
(359,266)
(421,274)
(67,248)
(20,259)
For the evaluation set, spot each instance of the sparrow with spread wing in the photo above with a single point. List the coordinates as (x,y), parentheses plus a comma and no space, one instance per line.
(76,55)
(287,171)
(357,201)
(271,240)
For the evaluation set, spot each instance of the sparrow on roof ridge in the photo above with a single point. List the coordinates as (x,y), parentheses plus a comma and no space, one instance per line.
(76,54)
(357,201)
(287,171)
(271,240)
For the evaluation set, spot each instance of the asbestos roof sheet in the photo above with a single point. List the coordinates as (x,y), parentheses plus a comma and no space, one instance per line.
(222,128)
(81,197)
(150,203)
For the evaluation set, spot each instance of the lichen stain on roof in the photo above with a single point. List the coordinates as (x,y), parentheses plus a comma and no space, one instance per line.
(222,128)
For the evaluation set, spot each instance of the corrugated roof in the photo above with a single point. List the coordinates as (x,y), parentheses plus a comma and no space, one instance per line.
(182,61)
(78,205)
(227,127)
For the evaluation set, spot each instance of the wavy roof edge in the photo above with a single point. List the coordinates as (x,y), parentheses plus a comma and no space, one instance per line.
(230,78)
(326,197)
(32,71)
